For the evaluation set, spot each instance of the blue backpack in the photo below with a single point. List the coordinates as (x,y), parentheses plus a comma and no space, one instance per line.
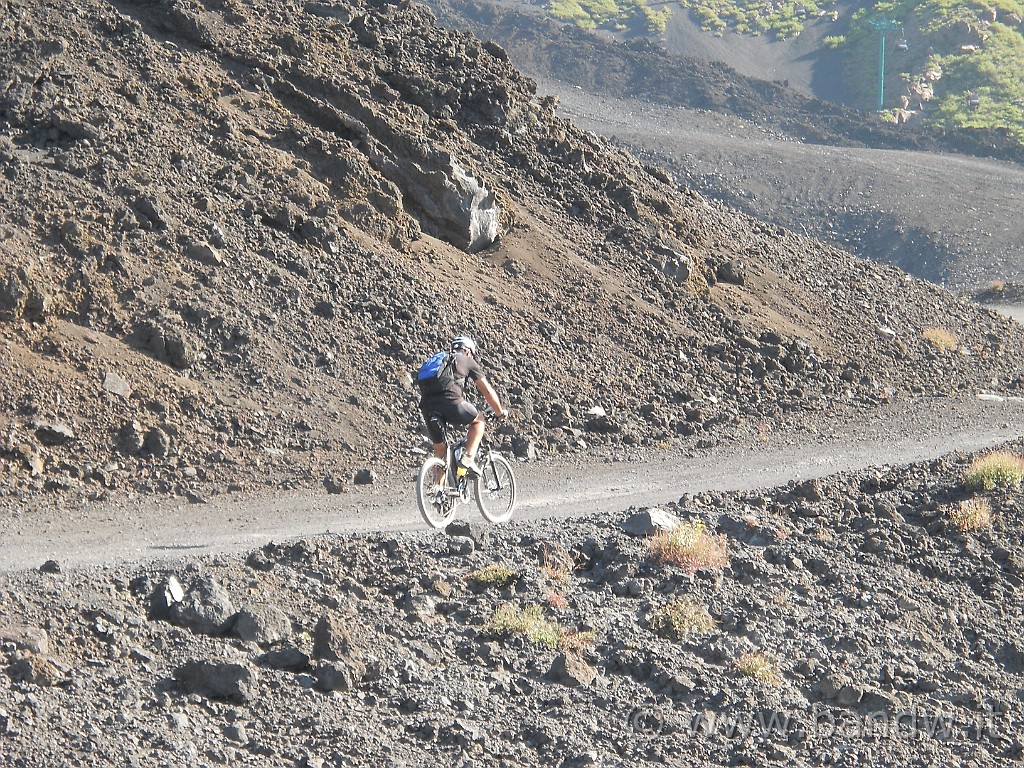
(436,375)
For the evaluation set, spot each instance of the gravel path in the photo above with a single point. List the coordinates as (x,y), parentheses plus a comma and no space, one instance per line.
(135,529)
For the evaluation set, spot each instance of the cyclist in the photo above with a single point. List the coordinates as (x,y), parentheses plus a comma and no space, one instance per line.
(454,408)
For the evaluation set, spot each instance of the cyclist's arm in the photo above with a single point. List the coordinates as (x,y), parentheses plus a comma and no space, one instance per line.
(485,389)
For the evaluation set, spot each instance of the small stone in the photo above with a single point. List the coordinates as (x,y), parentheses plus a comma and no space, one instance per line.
(157,443)
(54,434)
(569,669)
(461,545)
(205,253)
(849,695)
(116,385)
(334,485)
(217,680)
(365,477)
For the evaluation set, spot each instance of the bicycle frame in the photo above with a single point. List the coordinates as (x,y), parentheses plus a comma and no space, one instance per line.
(458,478)
(443,483)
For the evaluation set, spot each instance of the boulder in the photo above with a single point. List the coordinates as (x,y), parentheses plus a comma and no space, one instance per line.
(263,624)
(206,608)
(647,522)
(217,680)
(450,202)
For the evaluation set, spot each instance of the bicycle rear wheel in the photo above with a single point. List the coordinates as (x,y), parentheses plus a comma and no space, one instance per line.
(436,505)
(496,490)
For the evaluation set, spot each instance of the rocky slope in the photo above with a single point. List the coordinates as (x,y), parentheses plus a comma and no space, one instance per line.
(680,72)
(850,622)
(890,194)
(232,231)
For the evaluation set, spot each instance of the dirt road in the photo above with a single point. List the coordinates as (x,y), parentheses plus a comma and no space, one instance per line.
(136,530)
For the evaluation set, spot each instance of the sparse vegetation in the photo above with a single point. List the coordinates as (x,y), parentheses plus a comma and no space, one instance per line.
(961,68)
(556,563)
(941,339)
(996,469)
(529,622)
(575,641)
(760,667)
(754,17)
(493,575)
(971,515)
(691,547)
(680,618)
(617,15)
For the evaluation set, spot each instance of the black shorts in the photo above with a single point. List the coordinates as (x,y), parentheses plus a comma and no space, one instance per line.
(460,413)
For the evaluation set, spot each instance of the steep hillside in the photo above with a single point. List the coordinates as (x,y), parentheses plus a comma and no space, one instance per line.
(951,66)
(887,193)
(641,68)
(233,229)
(947,219)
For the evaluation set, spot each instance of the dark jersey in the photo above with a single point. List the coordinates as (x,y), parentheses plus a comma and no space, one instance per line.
(464,369)
(451,404)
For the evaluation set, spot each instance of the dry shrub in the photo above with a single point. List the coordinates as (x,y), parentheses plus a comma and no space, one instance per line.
(555,562)
(575,641)
(996,469)
(691,547)
(941,339)
(681,617)
(971,515)
(761,667)
(556,600)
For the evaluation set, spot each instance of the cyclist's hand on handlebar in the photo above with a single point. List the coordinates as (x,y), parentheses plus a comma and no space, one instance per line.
(490,412)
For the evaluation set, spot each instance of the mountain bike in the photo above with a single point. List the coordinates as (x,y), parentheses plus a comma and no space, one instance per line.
(442,484)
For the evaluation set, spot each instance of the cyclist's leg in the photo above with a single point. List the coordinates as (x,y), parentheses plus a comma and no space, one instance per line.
(435,433)
(475,434)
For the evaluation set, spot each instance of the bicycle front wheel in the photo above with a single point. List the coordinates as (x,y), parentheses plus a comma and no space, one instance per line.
(496,490)
(436,505)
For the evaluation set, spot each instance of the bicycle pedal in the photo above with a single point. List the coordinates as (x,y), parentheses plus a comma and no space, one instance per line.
(461,471)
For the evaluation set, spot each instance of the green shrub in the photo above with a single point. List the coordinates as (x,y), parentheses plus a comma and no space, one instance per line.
(493,575)
(528,621)
(618,15)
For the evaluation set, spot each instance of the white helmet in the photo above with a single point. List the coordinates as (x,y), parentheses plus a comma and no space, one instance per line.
(463,342)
